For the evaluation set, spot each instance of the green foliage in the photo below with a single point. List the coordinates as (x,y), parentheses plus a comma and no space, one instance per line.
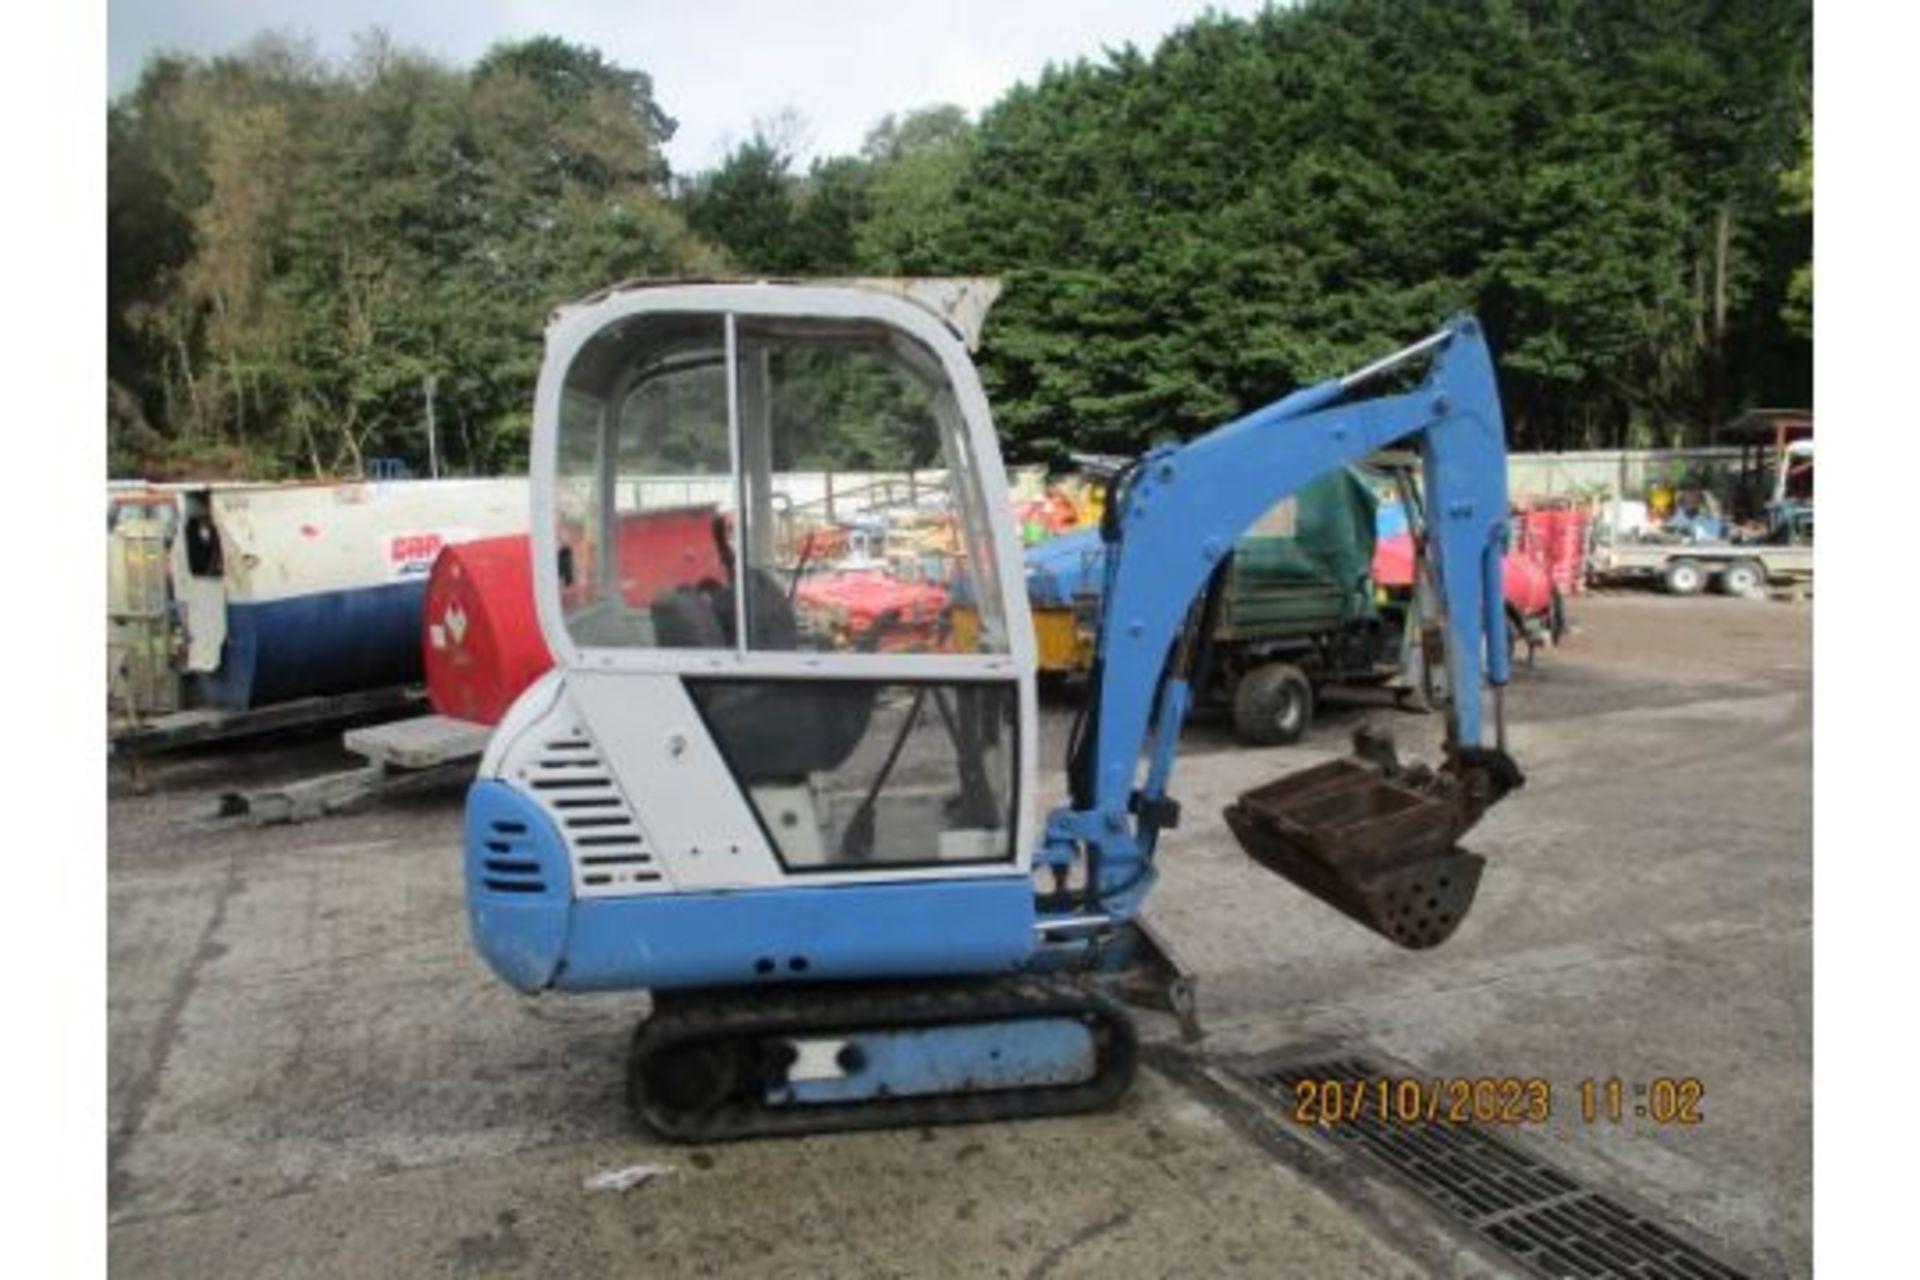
(929,129)
(1261,203)
(746,206)
(1621,188)
(593,95)
(851,409)
(886,211)
(768,220)
(298,248)
(916,165)
(1796,190)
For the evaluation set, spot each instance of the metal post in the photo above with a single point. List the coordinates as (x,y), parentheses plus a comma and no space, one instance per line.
(736,458)
(433,442)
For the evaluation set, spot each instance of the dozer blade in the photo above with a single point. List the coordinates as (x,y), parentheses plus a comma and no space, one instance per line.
(1373,840)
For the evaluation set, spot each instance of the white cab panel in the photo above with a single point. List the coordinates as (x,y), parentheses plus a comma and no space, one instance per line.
(659,749)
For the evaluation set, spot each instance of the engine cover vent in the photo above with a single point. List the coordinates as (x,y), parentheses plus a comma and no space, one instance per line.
(509,864)
(610,851)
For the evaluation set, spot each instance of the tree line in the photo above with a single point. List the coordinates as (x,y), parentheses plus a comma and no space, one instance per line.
(301,253)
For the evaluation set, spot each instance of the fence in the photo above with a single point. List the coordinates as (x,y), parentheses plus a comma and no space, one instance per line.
(827,496)
(843,495)
(1620,473)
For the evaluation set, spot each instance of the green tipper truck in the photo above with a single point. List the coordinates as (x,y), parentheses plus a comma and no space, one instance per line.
(1299,610)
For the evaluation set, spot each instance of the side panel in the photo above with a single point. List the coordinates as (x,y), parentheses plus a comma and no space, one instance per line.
(535,934)
(658,748)
(843,932)
(517,895)
(546,755)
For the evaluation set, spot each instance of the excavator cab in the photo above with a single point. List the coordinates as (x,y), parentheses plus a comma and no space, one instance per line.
(763,755)
(859,731)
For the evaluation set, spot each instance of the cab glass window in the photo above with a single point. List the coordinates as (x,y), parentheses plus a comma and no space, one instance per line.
(817,495)
(644,494)
(865,521)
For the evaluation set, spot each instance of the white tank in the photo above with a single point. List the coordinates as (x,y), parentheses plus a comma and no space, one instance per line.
(288,591)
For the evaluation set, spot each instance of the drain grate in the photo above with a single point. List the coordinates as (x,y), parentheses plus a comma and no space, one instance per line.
(1540,1215)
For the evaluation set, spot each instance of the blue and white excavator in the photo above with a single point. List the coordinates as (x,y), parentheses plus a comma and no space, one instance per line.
(819,848)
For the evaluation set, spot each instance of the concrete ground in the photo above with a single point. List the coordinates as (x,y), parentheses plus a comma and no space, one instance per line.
(311,1074)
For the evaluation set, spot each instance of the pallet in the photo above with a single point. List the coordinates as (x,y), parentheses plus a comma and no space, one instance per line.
(400,756)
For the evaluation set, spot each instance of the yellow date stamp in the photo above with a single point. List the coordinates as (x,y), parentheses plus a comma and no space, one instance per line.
(1496,1100)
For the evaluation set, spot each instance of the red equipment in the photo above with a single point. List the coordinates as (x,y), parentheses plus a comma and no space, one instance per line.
(1555,538)
(667,548)
(1529,590)
(483,642)
(852,603)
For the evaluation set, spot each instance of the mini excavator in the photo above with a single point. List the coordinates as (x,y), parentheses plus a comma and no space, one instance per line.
(814,838)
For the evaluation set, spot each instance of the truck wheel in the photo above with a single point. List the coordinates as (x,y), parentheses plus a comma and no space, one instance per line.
(1273,705)
(1743,578)
(1684,577)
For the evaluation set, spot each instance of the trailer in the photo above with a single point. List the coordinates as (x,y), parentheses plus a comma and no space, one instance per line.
(1688,568)
(1772,506)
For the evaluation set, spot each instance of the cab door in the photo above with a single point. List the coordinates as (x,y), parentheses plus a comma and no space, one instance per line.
(755,508)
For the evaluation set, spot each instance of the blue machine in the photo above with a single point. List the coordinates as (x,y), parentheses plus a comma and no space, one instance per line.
(1059,569)
(827,861)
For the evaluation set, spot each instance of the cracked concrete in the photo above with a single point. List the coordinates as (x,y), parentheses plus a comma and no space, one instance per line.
(310,1074)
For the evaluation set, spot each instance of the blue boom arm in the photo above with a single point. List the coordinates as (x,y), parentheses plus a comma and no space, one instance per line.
(1177,521)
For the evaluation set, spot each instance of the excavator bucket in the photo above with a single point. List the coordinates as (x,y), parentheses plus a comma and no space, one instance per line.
(1373,840)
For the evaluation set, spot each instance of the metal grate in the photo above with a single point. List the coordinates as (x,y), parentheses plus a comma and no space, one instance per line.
(1541,1216)
(609,849)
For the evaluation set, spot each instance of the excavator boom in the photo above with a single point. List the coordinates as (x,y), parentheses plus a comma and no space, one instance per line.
(1366,835)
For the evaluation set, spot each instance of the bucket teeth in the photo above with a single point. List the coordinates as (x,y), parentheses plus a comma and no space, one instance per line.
(1373,840)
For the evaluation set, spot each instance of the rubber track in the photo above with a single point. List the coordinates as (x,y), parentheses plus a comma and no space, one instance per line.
(757,1014)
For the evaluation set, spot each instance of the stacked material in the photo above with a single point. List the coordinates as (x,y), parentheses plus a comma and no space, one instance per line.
(1555,538)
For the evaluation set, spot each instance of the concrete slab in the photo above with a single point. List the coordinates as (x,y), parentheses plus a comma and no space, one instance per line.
(1159,1187)
(423,742)
(311,1074)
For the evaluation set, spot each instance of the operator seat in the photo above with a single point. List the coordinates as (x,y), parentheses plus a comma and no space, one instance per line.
(768,730)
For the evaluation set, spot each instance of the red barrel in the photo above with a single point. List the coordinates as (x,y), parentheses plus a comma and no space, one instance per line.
(483,642)
(1529,588)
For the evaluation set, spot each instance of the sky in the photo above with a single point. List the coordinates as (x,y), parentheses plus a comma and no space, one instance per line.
(717,65)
